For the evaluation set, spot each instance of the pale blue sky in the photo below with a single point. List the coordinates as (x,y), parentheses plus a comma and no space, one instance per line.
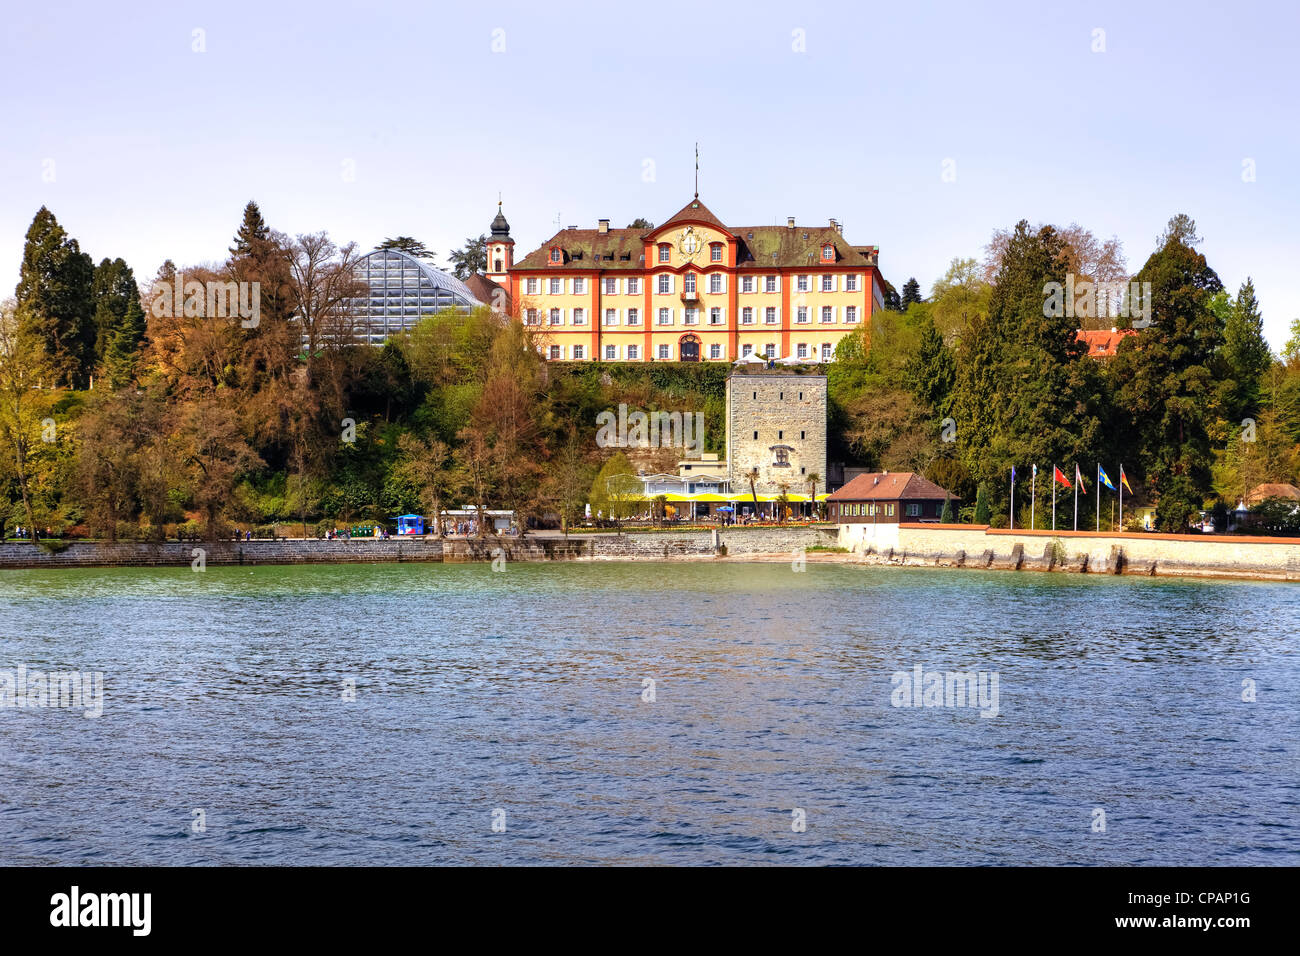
(156,148)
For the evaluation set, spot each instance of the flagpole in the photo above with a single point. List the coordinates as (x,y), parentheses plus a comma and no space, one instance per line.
(1121,496)
(1033,496)
(1076,496)
(1099,497)
(1053,496)
(1013,497)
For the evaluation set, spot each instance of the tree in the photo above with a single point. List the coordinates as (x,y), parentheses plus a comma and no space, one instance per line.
(323,284)
(1245,352)
(470,259)
(640,223)
(114,290)
(425,463)
(945,515)
(616,490)
(911,293)
(751,476)
(813,480)
(1165,380)
(932,371)
(412,247)
(1291,351)
(981,504)
(56,300)
(252,230)
(1081,254)
(957,297)
(24,405)
(121,355)
(109,462)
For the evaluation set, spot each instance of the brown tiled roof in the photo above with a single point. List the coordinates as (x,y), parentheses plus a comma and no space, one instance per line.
(1103,343)
(891,486)
(623,248)
(485,290)
(1272,490)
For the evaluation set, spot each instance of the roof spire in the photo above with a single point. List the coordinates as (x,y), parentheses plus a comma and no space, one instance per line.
(697,170)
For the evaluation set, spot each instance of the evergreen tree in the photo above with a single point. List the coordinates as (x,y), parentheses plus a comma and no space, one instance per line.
(982,504)
(911,293)
(1165,383)
(114,290)
(56,299)
(469,259)
(251,231)
(122,353)
(932,371)
(640,223)
(1245,352)
(945,516)
(412,247)
(892,302)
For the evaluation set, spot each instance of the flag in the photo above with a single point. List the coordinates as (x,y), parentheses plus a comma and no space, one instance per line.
(1123,480)
(1013,474)
(1105,478)
(1060,477)
(1079,478)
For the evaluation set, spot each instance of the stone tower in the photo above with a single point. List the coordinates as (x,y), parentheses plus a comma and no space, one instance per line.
(776,422)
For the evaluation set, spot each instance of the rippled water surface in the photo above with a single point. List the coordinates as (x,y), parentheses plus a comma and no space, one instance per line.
(522,691)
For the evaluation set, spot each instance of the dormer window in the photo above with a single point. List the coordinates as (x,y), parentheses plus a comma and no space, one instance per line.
(715,252)
(664,251)
(555,254)
(828,253)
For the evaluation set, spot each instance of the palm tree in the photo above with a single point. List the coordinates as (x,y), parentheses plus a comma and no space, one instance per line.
(752,476)
(813,478)
(783,500)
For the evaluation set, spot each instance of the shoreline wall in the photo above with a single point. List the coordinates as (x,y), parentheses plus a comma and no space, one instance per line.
(632,546)
(977,546)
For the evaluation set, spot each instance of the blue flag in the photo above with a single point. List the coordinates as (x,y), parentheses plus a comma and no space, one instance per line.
(1105,478)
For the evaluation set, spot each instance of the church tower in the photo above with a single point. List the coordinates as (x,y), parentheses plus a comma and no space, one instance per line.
(500,250)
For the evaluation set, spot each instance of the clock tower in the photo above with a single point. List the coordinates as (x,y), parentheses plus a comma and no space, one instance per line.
(500,250)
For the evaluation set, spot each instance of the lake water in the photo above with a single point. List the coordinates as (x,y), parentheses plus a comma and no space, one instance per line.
(522,691)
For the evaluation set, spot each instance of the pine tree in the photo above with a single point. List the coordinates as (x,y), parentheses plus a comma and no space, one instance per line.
(911,293)
(470,259)
(945,516)
(114,290)
(931,372)
(412,247)
(121,355)
(251,231)
(1245,352)
(56,299)
(982,504)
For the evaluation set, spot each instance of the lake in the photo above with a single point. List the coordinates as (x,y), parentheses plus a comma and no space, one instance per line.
(689,713)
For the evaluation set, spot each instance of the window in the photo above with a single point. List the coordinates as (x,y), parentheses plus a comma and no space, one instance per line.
(633,286)
(715,252)
(715,351)
(851,283)
(530,317)
(715,283)
(769,350)
(530,286)
(632,352)
(665,284)
(769,315)
(665,317)
(746,316)
(747,284)
(802,435)
(780,435)
(755,436)
(578,352)
(633,317)
(913,510)
(579,317)
(555,317)
(715,316)
(889,510)
(802,284)
(611,287)
(828,283)
(769,284)
(688,282)
(826,352)
(611,352)
(828,313)
(688,317)
(555,351)
(801,314)
(746,350)
(663,351)
(801,350)
(557,285)
(555,255)
(851,313)
(579,286)
(828,253)
(611,316)
(663,251)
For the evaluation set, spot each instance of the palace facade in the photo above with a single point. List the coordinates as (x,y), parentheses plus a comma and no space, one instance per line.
(690,290)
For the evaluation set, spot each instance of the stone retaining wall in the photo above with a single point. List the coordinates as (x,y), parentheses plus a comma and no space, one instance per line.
(975,546)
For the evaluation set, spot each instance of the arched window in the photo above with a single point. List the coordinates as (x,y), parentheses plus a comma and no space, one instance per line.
(828,253)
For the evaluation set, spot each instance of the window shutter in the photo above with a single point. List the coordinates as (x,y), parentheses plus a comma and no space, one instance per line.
(778,283)
(778,315)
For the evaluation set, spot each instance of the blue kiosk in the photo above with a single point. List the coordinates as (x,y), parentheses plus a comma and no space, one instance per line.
(410,524)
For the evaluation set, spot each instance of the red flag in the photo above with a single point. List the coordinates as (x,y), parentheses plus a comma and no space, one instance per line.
(1079,478)
(1060,477)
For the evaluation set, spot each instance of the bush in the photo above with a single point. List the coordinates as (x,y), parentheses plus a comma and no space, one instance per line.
(324,527)
(998,521)
(264,531)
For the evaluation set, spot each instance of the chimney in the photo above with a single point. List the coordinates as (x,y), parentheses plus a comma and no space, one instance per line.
(789,223)
(603,226)
(835,225)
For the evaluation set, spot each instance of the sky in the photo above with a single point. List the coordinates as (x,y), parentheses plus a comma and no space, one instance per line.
(146,127)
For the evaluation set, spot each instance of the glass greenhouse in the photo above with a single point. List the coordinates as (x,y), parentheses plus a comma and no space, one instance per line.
(403,289)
